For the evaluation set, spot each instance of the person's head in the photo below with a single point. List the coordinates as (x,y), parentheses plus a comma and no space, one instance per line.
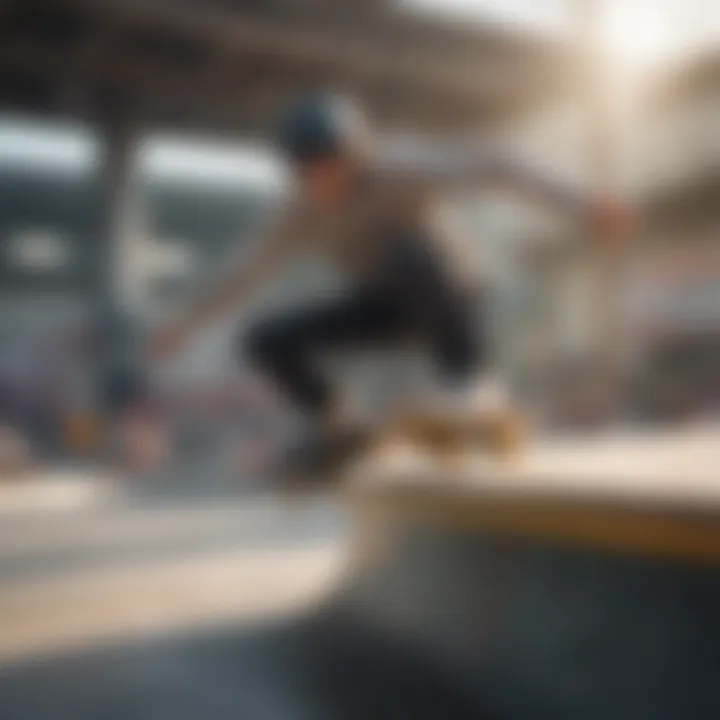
(322,136)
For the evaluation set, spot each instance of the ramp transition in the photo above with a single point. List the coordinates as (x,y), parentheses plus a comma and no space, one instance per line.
(581,581)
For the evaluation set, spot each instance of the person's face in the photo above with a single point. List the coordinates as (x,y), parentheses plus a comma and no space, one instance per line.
(325,182)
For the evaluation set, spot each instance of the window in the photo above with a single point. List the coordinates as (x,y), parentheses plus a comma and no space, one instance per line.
(38,250)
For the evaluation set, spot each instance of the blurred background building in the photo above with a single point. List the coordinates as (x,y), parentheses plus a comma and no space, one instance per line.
(134,154)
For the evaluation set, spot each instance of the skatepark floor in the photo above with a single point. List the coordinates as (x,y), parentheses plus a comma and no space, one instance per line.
(304,668)
(175,604)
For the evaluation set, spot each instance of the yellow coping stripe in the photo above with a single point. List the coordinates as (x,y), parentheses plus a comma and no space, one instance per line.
(657,532)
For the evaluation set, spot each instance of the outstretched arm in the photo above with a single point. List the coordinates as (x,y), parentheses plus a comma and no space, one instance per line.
(533,182)
(475,166)
(239,278)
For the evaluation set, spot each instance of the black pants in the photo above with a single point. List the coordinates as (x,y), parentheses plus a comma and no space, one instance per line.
(411,299)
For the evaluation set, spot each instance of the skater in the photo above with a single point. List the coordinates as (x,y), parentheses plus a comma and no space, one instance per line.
(368,208)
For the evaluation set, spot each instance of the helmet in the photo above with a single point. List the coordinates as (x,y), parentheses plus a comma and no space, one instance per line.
(320,126)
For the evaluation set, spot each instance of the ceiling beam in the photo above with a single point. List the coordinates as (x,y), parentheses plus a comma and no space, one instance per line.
(247,34)
(145,84)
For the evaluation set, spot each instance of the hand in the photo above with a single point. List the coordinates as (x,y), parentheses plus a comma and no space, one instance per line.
(168,341)
(611,220)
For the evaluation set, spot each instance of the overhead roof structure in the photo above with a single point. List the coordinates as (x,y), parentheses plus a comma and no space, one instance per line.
(697,75)
(695,203)
(226,65)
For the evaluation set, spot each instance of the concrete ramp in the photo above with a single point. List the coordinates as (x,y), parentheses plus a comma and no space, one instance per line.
(583,581)
(580,582)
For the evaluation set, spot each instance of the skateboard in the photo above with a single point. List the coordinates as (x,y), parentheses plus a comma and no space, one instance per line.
(321,461)
(324,461)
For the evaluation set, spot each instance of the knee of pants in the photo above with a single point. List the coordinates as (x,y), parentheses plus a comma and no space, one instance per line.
(262,345)
(462,357)
(461,350)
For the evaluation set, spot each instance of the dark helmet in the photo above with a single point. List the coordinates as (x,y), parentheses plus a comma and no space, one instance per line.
(320,126)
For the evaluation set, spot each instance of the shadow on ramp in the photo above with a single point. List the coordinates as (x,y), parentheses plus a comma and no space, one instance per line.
(311,668)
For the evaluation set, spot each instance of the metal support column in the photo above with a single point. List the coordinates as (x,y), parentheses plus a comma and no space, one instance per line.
(116,346)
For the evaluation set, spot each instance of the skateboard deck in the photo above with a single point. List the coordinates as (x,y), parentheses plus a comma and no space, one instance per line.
(324,461)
